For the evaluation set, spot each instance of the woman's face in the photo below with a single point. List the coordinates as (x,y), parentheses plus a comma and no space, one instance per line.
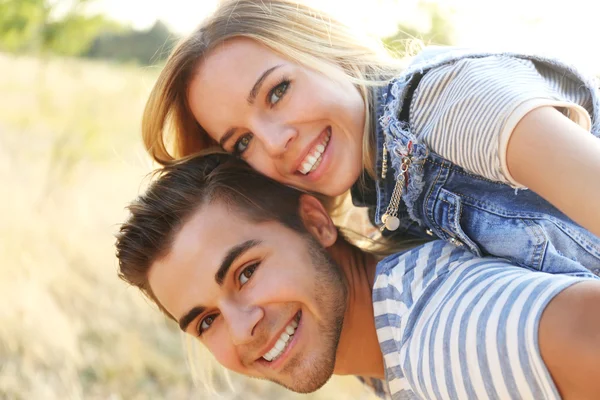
(290,123)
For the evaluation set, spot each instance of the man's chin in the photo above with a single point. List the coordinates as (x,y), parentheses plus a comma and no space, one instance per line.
(306,387)
(308,381)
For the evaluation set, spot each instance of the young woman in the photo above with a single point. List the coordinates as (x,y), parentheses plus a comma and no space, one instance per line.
(439,149)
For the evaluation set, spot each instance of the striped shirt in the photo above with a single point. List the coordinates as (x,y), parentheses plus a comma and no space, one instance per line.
(466,111)
(454,326)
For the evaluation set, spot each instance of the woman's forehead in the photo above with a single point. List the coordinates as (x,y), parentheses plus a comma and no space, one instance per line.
(219,90)
(241,56)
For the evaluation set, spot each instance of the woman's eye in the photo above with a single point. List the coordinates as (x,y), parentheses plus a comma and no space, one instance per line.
(247,273)
(206,323)
(242,144)
(278,91)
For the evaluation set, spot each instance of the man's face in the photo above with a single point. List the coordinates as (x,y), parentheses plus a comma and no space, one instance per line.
(265,300)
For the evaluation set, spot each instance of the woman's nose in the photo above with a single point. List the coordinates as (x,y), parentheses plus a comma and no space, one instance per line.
(275,137)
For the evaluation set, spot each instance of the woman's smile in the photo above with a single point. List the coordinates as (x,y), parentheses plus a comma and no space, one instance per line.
(293,124)
(314,155)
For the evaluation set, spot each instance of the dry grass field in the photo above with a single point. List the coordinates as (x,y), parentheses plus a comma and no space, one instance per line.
(70,160)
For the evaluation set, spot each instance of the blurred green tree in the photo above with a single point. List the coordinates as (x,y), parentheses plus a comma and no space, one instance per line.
(19,23)
(144,47)
(409,38)
(49,26)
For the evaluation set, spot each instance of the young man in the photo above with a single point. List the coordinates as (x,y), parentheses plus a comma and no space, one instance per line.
(261,275)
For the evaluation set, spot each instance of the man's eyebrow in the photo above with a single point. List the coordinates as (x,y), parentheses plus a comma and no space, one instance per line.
(258,84)
(190,316)
(231,256)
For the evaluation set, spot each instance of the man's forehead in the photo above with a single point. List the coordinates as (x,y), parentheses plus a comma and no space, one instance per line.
(187,270)
(214,228)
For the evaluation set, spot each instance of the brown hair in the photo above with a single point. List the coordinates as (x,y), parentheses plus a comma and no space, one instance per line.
(180,190)
(296,31)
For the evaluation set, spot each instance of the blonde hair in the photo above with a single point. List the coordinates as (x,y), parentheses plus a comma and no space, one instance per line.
(302,34)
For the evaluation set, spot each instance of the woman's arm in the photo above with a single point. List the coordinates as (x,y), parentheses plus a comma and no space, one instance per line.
(569,341)
(560,161)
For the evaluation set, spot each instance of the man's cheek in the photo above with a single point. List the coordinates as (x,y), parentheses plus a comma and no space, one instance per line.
(224,352)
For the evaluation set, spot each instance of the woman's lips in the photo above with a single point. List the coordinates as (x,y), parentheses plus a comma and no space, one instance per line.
(314,156)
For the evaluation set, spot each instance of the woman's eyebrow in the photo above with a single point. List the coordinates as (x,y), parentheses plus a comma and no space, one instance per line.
(226,137)
(258,84)
(251,99)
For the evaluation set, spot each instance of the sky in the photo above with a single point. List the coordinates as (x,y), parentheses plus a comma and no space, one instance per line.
(554,28)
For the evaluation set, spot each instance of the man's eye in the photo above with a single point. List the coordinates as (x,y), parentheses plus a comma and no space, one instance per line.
(278,91)
(206,323)
(247,273)
(242,144)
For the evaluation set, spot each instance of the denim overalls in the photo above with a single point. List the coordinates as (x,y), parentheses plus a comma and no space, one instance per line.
(440,199)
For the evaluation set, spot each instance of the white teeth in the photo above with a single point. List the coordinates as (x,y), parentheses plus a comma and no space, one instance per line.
(313,159)
(282,342)
(316,165)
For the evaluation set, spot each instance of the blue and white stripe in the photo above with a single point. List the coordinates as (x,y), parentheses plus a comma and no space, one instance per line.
(460,110)
(455,326)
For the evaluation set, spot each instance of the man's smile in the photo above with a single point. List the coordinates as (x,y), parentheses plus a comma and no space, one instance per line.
(281,345)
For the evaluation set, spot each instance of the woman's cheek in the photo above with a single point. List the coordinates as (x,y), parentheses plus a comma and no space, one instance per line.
(265,166)
(260,162)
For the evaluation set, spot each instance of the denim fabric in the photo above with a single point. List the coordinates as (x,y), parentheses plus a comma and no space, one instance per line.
(489,218)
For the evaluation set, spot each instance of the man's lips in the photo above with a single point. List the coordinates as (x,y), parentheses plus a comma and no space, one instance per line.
(275,338)
(281,359)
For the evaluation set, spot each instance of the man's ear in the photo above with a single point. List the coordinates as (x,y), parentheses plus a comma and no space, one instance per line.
(317,221)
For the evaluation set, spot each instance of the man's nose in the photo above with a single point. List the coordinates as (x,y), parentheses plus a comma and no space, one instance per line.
(242,321)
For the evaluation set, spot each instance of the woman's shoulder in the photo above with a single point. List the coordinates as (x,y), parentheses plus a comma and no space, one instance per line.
(431,57)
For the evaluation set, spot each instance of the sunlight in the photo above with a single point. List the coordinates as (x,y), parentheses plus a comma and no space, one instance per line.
(516,25)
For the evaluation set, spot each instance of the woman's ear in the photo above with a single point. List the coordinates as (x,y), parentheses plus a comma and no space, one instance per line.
(316,220)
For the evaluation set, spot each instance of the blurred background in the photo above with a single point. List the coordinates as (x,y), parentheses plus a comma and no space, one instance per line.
(74,75)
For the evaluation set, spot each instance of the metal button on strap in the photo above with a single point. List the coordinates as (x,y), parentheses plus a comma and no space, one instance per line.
(456,242)
(429,232)
(391,222)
